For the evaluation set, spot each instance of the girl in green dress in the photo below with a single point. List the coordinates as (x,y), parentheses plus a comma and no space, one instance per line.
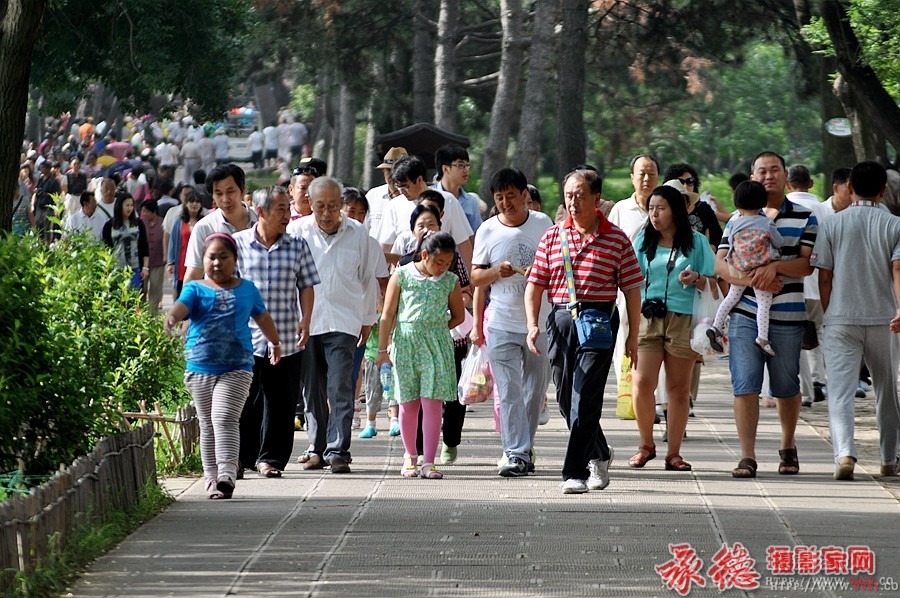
(417,299)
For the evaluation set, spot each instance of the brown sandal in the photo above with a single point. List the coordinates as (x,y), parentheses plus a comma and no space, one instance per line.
(674,462)
(639,459)
(790,464)
(267,470)
(746,468)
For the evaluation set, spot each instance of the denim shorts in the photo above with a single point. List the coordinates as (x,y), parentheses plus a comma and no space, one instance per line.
(746,360)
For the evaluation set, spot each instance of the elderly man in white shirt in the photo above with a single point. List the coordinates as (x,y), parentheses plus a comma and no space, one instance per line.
(88,218)
(630,215)
(345,308)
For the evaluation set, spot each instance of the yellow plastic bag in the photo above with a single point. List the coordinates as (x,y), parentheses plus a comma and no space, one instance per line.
(624,404)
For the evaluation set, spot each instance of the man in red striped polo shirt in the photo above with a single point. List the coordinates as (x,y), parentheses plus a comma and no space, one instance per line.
(603,261)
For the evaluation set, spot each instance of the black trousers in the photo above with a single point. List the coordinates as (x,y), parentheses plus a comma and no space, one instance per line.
(580,376)
(267,422)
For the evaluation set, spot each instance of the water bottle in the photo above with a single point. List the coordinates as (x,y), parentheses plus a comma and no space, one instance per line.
(387,375)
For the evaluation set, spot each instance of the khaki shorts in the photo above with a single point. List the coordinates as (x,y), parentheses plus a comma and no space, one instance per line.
(671,334)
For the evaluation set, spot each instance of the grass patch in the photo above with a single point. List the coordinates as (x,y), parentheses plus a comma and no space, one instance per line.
(190,467)
(89,542)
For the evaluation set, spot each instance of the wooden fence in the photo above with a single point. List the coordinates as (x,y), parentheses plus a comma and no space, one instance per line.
(107,480)
(181,433)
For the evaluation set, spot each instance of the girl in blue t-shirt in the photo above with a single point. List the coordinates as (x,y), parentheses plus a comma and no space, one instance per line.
(219,355)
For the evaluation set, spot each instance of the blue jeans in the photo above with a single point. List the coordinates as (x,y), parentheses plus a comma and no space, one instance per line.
(746,360)
(326,364)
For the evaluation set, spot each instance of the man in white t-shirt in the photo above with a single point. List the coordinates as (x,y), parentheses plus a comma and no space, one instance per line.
(167,153)
(504,251)
(284,140)
(409,176)
(255,141)
(270,134)
(207,148)
(227,185)
(299,141)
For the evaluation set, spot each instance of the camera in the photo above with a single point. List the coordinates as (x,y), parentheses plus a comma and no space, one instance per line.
(654,308)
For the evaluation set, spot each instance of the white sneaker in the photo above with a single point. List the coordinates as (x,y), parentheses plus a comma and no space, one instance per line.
(600,472)
(574,486)
(544,416)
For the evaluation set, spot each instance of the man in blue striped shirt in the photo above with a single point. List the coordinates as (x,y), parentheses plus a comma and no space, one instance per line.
(783,277)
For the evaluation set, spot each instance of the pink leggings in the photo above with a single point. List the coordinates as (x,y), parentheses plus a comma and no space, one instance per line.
(432,412)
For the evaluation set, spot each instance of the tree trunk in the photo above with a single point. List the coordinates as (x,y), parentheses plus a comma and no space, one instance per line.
(19,22)
(423,62)
(323,122)
(870,94)
(868,142)
(446,97)
(534,104)
(344,134)
(504,109)
(570,87)
(836,151)
(369,155)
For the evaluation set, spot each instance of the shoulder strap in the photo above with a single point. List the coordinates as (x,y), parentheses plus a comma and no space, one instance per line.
(567,264)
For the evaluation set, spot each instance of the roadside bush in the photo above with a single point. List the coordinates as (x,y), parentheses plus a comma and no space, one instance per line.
(75,344)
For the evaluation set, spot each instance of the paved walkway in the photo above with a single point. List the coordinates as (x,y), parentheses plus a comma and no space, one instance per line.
(373,533)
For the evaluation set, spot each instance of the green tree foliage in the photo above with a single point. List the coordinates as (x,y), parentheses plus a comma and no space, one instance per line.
(877,25)
(141,48)
(738,113)
(77,344)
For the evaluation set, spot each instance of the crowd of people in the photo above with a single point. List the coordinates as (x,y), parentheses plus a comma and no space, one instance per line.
(303,297)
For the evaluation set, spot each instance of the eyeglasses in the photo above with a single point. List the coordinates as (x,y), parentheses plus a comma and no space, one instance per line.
(401,186)
(688,181)
(320,208)
(461,165)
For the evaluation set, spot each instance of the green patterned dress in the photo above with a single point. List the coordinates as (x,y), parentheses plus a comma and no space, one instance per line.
(422,347)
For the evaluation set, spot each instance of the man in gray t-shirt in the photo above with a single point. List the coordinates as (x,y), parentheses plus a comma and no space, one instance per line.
(858,255)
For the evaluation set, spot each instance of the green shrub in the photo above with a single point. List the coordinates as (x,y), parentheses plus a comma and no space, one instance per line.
(75,344)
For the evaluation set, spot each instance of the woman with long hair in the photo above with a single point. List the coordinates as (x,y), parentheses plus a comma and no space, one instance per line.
(191,212)
(675,261)
(126,235)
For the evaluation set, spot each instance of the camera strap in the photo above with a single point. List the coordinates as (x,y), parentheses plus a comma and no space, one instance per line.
(670,265)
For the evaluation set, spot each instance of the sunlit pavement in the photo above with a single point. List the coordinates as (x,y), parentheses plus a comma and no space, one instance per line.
(373,533)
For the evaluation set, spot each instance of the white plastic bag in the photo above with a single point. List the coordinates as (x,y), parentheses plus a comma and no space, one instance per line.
(462,331)
(476,383)
(705,306)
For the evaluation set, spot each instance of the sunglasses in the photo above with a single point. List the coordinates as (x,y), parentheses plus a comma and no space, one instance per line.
(688,181)
(310,170)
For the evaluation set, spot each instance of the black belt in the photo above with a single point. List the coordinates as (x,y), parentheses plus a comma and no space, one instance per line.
(604,306)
